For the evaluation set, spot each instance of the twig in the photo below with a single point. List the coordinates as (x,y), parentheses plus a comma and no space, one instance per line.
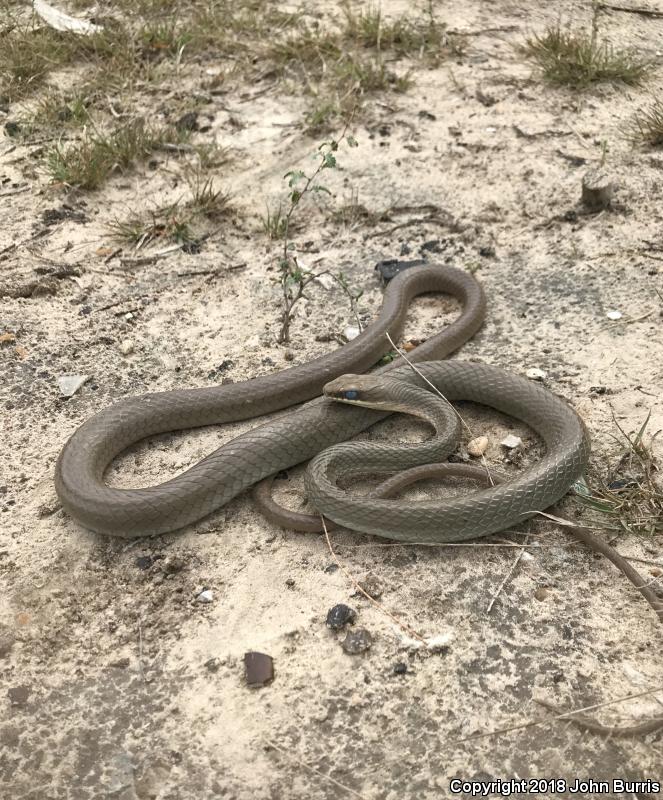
(507,577)
(18,190)
(644,12)
(363,591)
(315,771)
(564,715)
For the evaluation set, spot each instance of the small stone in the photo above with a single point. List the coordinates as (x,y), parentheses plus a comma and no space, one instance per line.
(400,668)
(371,585)
(206,596)
(357,641)
(70,384)
(511,442)
(614,314)
(126,347)
(339,616)
(173,565)
(259,668)
(144,562)
(351,332)
(477,447)
(288,355)
(535,374)
(541,593)
(212,664)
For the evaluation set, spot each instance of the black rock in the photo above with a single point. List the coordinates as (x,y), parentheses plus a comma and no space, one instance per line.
(357,641)
(339,616)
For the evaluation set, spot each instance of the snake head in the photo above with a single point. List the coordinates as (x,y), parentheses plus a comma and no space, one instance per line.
(357,390)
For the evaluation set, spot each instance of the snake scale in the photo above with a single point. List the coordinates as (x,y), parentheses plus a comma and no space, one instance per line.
(310,430)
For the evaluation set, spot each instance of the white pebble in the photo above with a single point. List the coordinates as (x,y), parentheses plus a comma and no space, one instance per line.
(511,441)
(477,447)
(535,374)
(126,347)
(614,315)
(206,596)
(70,384)
(351,332)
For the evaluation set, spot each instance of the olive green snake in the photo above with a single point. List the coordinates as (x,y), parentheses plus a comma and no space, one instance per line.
(310,430)
(322,429)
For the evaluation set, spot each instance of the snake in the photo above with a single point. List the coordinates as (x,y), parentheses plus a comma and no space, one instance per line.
(322,429)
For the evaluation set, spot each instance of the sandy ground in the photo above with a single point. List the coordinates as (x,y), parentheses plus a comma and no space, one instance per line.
(116,682)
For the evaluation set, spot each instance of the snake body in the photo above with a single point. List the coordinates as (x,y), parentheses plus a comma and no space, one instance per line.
(312,428)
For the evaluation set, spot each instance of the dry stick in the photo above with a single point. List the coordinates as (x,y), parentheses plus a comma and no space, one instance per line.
(315,771)
(361,590)
(507,577)
(644,12)
(563,715)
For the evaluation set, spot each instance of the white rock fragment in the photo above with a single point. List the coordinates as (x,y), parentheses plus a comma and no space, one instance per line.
(511,442)
(326,281)
(431,643)
(126,347)
(70,384)
(206,596)
(477,447)
(527,556)
(535,374)
(614,314)
(351,332)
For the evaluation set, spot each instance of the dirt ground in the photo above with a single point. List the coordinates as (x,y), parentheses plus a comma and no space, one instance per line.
(116,682)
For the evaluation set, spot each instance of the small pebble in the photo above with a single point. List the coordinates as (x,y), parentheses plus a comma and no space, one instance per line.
(511,442)
(339,616)
(400,668)
(614,314)
(351,332)
(541,593)
(357,641)
(259,668)
(144,562)
(206,596)
(126,347)
(477,447)
(70,384)
(535,374)
(288,355)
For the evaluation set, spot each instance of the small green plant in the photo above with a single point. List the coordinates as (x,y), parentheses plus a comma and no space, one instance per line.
(206,199)
(645,128)
(630,493)
(292,277)
(274,223)
(579,58)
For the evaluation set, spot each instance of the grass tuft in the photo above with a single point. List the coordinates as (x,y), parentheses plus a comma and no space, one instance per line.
(580,58)
(88,163)
(630,493)
(645,128)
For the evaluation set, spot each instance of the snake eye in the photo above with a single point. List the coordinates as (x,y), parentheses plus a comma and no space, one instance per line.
(350,394)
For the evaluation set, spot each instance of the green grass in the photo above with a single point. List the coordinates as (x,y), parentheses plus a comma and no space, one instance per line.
(88,163)
(180,222)
(630,492)
(580,58)
(645,128)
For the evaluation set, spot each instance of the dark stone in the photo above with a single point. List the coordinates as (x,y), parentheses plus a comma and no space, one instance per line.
(339,616)
(400,668)
(259,668)
(357,641)
(144,562)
